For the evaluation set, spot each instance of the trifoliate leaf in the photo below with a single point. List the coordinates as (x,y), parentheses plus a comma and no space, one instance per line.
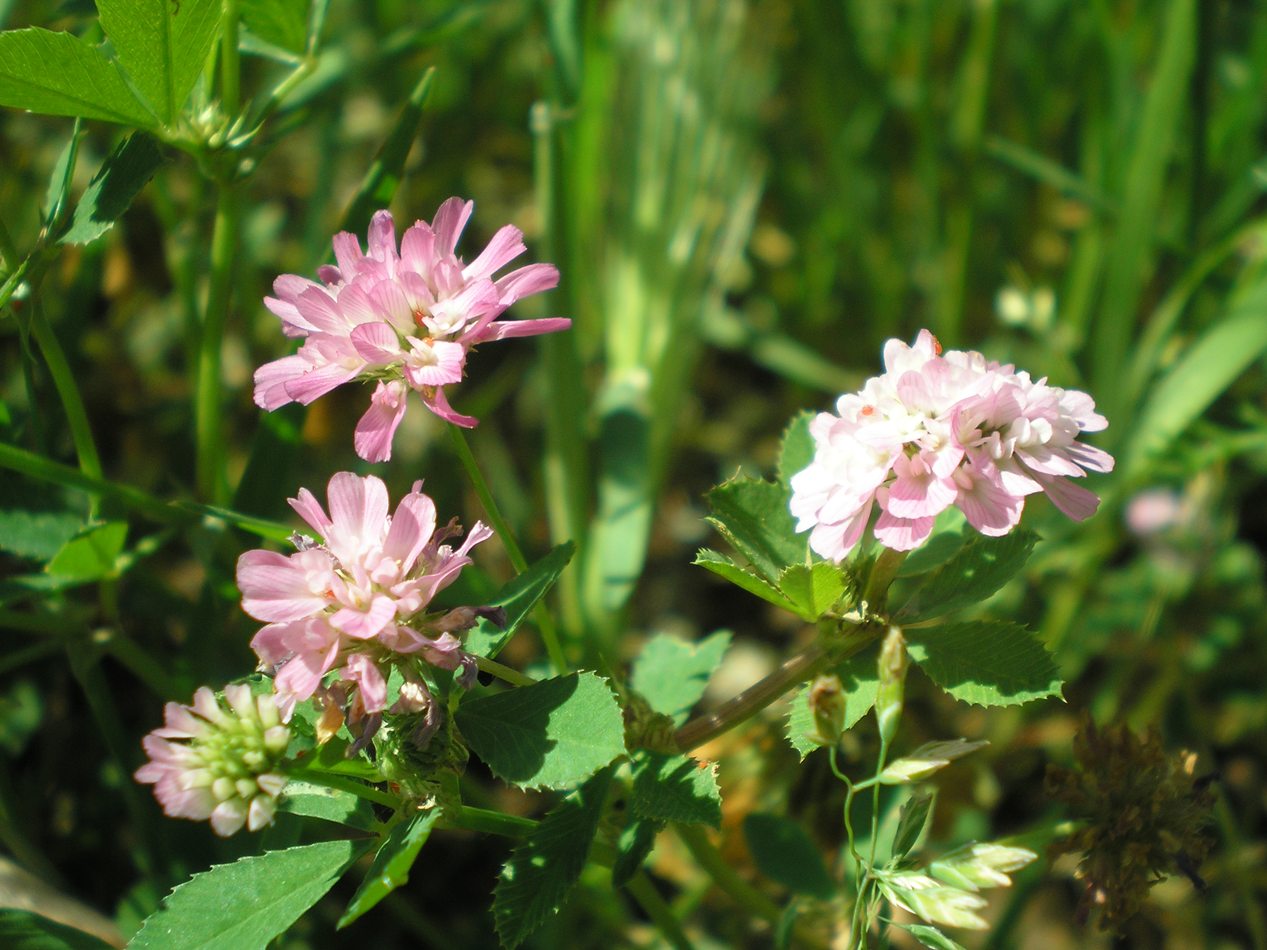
(676,788)
(672,674)
(37,535)
(988,663)
(784,852)
(546,864)
(753,515)
(249,902)
(859,680)
(390,869)
(979,569)
(518,598)
(814,589)
(552,734)
(328,804)
(119,180)
(92,555)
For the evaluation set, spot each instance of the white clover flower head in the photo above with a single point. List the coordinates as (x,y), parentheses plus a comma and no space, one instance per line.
(938,430)
(207,761)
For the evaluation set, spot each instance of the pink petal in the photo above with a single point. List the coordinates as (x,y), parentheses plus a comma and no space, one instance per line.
(526,281)
(310,510)
(377,344)
(505,329)
(377,427)
(449,222)
(392,304)
(347,252)
(902,534)
(382,236)
(1074,500)
(435,363)
(361,670)
(275,589)
(438,403)
(506,245)
(363,624)
(412,526)
(271,380)
(358,514)
(835,541)
(315,383)
(418,249)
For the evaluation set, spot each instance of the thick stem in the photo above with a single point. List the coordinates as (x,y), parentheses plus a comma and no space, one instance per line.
(798,669)
(641,890)
(545,623)
(208,421)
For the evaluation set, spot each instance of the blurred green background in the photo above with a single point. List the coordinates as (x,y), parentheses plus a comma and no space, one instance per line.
(745,199)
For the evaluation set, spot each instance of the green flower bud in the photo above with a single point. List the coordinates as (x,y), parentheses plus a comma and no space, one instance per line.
(889,697)
(827,706)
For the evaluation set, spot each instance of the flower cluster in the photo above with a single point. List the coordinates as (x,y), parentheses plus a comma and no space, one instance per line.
(941,429)
(357,601)
(209,762)
(404,319)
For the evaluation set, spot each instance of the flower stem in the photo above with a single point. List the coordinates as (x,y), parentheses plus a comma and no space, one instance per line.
(489,821)
(649,899)
(342,783)
(545,623)
(72,401)
(503,672)
(208,419)
(794,671)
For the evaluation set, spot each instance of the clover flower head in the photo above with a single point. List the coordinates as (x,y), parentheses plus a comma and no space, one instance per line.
(938,430)
(207,761)
(358,601)
(404,317)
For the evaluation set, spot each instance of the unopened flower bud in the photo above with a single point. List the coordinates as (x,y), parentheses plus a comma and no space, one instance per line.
(209,762)
(889,697)
(827,706)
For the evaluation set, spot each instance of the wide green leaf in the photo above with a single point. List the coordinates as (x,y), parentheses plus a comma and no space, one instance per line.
(753,515)
(92,555)
(518,598)
(112,189)
(329,804)
(163,45)
(814,588)
(552,734)
(283,23)
(797,448)
(544,866)
(860,680)
(390,869)
(970,576)
(676,788)
(784,852)
(59,74)
(37,535)
(741,577)
(249,902)
(23,930)
(990,664)
(672,674)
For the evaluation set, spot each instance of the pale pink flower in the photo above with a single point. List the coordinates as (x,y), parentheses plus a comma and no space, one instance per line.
(224,764)
(938,430)
(358,600)
(401,318)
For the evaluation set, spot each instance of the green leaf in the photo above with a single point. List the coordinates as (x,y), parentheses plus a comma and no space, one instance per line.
(1205,370)
(635,844)
(92,555)
(676,788)
(753,515)
(940,548)
(741,577)
(914,817)
(163,45)
(23,930)
(518,598)
(990,664)
(970,576)
(552,734)
(813,588)
(930,937)
(283,23)
(249,902)
(797,448)
(784,852)
(58,191)
(860,679)
(112,189)
(546,864)
(59,74)
(37,535)
(672,674)
(329,804)
(390,869)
